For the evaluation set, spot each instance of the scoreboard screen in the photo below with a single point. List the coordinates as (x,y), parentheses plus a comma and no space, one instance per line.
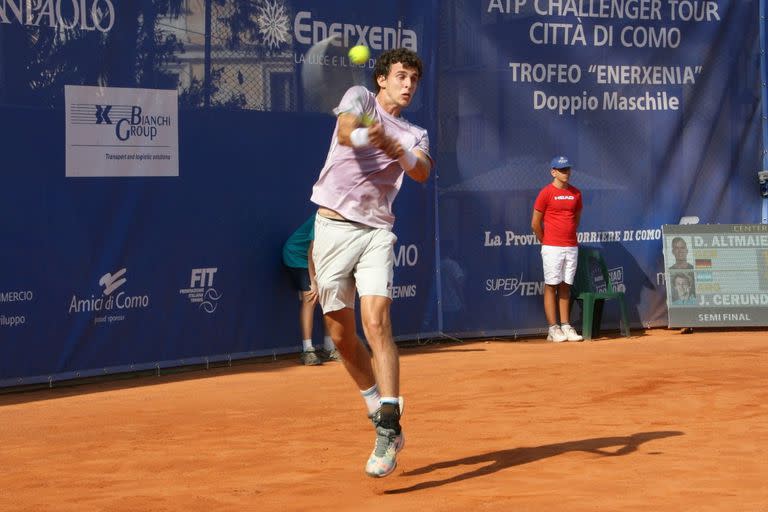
(716,274)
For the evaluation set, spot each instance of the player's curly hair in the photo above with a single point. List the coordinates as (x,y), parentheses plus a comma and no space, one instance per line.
(404,56)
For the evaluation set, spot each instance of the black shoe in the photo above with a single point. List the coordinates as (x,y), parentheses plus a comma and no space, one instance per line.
(376,416)
(309,358)
(333,355)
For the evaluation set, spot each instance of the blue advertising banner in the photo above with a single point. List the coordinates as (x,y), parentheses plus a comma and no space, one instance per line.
(121,266)
(159,243)
(654,101)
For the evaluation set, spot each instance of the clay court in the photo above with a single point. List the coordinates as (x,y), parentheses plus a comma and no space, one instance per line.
(659,422)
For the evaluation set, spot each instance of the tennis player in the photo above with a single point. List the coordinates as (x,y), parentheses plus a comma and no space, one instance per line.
(372,147)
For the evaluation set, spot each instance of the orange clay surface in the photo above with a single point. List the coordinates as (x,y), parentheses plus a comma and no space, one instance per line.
(658,422)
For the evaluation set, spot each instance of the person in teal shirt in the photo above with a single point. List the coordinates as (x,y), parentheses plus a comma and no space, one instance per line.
(297,252)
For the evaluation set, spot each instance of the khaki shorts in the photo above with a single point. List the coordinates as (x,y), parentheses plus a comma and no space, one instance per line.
(349,256)
(559,264)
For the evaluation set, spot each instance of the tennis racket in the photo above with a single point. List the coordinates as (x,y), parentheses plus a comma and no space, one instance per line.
(326,74)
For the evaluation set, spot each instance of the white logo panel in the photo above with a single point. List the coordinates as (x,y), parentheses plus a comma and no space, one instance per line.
(113,132)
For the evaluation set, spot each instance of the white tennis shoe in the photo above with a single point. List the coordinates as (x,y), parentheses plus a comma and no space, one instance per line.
(556,334)
(570,333)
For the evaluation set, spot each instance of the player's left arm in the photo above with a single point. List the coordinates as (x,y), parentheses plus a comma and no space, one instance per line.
(416,161)
(422,168)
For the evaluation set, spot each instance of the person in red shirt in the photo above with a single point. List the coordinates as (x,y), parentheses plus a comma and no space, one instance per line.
(556,215)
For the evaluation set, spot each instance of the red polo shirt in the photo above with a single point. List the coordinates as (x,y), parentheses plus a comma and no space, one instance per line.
(560,207)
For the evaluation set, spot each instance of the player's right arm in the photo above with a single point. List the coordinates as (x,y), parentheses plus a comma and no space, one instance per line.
(348,122)
(353,117)
(354,133)
(537,219)
(536,224)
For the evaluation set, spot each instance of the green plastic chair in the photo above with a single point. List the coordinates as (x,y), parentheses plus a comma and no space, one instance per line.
(592,286)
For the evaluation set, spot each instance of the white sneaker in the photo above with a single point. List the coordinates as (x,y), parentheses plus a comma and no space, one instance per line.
(383,459)
(556,334)
(570,333)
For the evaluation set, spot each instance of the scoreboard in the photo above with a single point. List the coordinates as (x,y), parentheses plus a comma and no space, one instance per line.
(716,274)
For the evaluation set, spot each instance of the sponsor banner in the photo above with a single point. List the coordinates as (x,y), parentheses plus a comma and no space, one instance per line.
(112,304)
(16,296)
(413,291)
(286,25)
(507,286)
(10,303)
(509,238)
(85,15)
(113,132)
(12,320)
(204,250)
(717,275)
(617,278)
(201,291)
(406,257)
(627,91)
(650,100)
(502,282)
(309,29)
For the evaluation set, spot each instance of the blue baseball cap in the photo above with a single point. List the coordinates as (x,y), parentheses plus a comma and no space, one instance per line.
(561,162)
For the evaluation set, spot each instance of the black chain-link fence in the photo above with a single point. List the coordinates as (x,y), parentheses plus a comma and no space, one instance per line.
(218,53)
(242,56)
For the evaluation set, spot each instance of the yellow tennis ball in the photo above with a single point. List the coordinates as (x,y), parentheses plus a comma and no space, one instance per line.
(359,54)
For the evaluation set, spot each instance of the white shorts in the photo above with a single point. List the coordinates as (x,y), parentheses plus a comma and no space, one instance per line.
(559,264)
(349,256)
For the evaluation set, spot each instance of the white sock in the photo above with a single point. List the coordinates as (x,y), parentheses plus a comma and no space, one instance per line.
(307,345)
(328,344)
(372,398)
(562,326)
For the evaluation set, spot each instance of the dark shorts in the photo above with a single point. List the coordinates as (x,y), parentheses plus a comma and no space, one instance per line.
(300,278)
